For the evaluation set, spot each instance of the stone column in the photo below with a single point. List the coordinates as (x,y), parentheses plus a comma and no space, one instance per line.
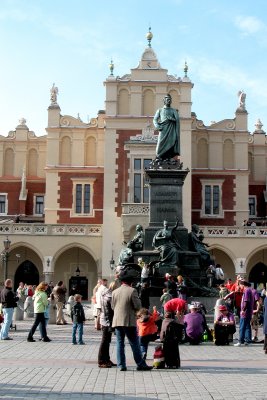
(240,267)
(48,269)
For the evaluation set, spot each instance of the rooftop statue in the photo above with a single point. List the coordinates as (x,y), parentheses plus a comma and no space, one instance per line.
(166,242)
(53,94)
(167,122)
(242,99)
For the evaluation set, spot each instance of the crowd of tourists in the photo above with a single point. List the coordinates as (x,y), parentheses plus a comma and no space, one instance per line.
(41,298)
(120,309)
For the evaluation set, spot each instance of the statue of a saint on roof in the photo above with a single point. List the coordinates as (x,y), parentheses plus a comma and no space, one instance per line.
(53,94)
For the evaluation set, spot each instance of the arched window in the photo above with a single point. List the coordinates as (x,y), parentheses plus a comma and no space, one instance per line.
(123,102)
(148,102)
(175,99)
(228,154)
(90,155)
(27,272)
(202,154)
(32,163)
(9,162)
(65,151)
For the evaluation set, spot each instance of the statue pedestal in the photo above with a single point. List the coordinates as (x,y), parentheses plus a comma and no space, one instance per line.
(166,190)
(166,194)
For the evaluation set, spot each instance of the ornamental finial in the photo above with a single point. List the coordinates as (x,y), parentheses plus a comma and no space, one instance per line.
(185,69)
(259,126)
(111,67)
(149,36)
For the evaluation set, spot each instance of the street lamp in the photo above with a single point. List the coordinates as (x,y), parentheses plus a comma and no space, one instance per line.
(111,264)
(5,255)
(111,261)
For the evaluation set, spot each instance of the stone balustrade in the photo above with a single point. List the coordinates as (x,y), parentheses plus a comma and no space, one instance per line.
(128,209)
(135,208)
(48,230)
(233,231)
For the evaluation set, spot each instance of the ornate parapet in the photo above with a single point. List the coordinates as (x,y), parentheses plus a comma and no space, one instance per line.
(135,208)
(69,121)
(233,231)
(50,230)
(224,125)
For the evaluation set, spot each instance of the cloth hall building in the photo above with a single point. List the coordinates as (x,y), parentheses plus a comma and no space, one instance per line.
(70,198)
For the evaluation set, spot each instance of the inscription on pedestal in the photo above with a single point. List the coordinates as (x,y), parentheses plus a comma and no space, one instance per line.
(165,198)
(165,195)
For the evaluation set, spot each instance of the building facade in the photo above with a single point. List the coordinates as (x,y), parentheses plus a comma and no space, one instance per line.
(70,198)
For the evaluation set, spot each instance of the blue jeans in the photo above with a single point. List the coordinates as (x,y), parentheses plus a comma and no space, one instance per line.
(245,330)
(144,341)
(8,314)
(131,333)
(78,327)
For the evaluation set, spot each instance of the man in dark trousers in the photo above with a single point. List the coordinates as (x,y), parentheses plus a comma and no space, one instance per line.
(59,292)
(9,301)
(125,303)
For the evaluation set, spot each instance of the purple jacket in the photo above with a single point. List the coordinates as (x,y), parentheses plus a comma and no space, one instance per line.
(248,301)
(194,324)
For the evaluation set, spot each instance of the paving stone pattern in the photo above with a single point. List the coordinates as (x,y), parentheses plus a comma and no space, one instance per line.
(59,370)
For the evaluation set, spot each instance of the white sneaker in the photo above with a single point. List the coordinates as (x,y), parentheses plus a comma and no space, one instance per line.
(238,344)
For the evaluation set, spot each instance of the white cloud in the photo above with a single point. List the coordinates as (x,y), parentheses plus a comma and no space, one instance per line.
(230,79)
(249,25)
(13,10)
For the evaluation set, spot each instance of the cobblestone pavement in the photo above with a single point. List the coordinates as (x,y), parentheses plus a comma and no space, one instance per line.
(59,370)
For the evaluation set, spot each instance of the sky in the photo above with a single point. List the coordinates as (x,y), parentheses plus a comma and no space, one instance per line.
(71,43)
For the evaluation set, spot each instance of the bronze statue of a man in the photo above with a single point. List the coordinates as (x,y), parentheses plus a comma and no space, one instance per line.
(167,121)
(196,244)
(137,243)
(165,241)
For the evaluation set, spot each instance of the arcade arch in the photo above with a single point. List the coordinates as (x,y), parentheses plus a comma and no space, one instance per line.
(28,273)
(24,265)
(257,267)
(75,266)
(221,257)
